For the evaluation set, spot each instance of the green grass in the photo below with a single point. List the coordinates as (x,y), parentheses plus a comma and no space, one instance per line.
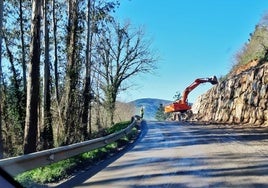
(118,126)
(46,174)
(63,169)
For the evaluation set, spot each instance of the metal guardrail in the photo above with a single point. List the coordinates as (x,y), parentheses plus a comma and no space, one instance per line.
(16,165)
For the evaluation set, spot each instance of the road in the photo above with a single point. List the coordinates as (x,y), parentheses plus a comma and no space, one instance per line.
(173,154)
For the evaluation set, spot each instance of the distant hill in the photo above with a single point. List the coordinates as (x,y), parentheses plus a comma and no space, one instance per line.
(150,106)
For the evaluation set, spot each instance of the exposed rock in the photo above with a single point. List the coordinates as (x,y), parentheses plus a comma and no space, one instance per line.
(240,99)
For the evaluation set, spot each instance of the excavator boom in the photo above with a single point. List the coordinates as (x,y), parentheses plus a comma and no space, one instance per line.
(181,105)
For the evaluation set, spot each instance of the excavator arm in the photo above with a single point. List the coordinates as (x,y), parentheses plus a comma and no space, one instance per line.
(212,80)
(181,105)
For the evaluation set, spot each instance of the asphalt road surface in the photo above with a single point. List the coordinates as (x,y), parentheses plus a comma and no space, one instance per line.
(173,154)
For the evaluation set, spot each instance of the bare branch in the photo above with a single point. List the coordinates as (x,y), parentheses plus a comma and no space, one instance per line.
(124,53)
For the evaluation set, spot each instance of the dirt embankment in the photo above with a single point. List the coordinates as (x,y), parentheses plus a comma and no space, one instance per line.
(242,98)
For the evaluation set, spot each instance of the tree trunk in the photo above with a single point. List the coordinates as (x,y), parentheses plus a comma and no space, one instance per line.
(86,114)
(1,34)
(22,49)
(31,120)
(56,74)
(47,133)
(110,102)
(71,74)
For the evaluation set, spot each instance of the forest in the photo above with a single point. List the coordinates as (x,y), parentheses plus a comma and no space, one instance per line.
(63,64)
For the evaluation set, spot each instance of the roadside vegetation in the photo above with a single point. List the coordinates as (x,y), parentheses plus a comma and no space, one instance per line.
(65,168)
(63,65)
(255,51)
(160,114)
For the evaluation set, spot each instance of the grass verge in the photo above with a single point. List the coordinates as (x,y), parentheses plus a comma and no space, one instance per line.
(65,168)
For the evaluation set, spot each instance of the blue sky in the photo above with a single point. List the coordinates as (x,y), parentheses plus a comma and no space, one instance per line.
(193,38)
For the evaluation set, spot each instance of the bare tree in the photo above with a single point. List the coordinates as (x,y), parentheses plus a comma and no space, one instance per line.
(33,85)
(97,13)
(56,71)
(124,54)
(86,114)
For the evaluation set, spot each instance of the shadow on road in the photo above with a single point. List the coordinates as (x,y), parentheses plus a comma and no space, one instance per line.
(206,134)
(244,164)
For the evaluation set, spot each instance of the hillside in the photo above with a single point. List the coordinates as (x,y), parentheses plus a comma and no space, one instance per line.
(241,97)
(150,106)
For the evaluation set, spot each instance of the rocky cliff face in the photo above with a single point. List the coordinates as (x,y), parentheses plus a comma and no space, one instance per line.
(240,99)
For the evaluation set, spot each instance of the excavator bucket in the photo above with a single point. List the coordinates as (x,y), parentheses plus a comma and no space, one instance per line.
(213,80)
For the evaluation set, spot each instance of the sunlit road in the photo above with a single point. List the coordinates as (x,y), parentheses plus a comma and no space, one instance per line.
(172,154)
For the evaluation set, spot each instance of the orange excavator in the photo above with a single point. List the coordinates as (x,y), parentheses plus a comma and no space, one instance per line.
(181,106)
